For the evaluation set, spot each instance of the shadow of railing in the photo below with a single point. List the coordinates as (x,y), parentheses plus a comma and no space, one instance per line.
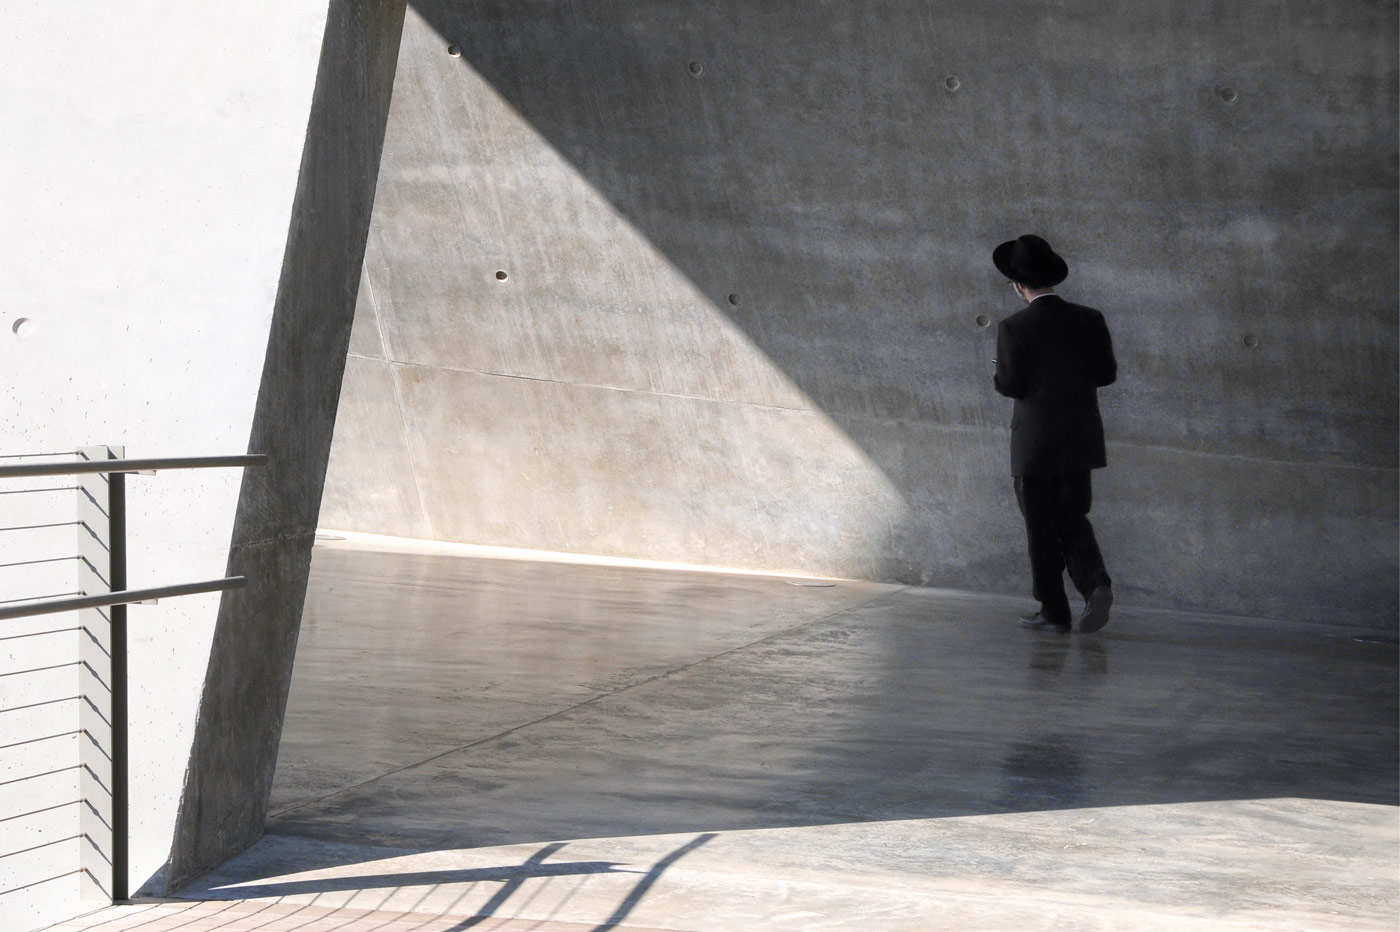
(512,878)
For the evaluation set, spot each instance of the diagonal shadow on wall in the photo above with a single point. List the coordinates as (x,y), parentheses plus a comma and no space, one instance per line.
(831,179)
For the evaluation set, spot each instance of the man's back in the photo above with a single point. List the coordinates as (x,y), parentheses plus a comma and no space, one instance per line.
(1052,358)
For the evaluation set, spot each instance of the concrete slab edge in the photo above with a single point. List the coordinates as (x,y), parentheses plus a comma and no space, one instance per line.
(359,540)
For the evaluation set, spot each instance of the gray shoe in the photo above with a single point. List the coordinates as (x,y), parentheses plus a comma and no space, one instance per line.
(1096,608)
(1037,621)
(1042,624)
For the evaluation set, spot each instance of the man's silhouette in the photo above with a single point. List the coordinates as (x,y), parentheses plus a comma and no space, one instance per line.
(1052,357)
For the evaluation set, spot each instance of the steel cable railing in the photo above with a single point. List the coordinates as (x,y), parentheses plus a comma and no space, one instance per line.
(105,526)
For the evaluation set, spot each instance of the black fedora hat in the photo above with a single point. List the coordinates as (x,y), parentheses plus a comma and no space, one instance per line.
(1030,261)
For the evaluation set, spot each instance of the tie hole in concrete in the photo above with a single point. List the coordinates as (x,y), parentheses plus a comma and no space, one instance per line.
(982,321)
(502,275)
(697,68)
(951,82)
(455,51)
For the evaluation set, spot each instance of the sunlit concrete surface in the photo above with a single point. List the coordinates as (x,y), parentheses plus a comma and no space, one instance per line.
(635,747)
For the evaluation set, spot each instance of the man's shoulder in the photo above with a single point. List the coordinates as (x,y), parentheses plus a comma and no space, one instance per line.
(1046,311)
(1056,309)
(1020,318)
(1060,304)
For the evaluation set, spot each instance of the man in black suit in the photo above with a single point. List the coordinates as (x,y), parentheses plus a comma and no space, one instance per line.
(1052,357)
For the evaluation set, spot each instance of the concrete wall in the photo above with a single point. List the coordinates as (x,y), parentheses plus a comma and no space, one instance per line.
(151,166)
(748,312)
(234,751)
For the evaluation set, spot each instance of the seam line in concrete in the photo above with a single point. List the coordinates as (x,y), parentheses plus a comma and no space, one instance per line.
(837,417)
(595,699)
(278,539)
(414,470)
(605,388)
(1245,458)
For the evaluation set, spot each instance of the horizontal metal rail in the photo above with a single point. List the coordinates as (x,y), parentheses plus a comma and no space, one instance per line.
(35,598)
(78,467)
(116,470)
(39,776)
(121,597)
(30,456)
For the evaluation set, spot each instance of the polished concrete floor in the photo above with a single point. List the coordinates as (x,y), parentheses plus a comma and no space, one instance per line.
(620,747)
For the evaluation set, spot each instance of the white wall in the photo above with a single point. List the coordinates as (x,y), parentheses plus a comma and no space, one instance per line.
(148,162)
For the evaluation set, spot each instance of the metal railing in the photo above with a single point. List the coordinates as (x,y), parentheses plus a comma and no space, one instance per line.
(117,598)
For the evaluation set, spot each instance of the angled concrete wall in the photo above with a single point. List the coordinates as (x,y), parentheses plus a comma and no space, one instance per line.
(747,314)
(154,158)
(234,750)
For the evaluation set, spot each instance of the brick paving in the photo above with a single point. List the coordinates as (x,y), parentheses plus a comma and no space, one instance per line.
(249,916)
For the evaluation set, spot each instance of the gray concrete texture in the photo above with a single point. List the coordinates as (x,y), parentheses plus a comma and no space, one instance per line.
(678,750)
(748,313)
(236,734)
(442,701)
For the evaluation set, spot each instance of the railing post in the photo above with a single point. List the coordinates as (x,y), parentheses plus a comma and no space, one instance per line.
(94,540)
(116,509)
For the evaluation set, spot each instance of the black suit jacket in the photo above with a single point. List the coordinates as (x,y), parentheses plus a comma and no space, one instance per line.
(1052,358)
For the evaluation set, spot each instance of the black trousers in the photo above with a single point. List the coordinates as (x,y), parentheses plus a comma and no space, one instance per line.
(1059,537)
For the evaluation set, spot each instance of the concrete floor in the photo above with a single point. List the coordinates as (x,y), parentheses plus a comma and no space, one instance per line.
(602,747)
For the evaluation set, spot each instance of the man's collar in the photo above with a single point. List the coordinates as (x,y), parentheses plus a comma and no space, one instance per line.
(1048,294)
